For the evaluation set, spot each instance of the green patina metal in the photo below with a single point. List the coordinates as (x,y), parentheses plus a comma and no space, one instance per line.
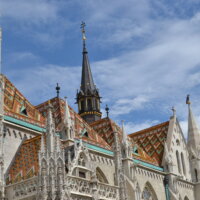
(148,165)
(102,150)
(24,124)
(96,148)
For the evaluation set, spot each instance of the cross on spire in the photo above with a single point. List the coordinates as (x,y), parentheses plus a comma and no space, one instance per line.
(188,99)
(174,111)
(83,25)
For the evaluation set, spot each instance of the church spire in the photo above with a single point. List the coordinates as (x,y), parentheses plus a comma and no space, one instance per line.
(87,83)
(88,97)
(193,129)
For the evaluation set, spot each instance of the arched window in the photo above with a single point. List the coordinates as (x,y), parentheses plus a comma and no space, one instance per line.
(100,176)
(186,198)
(183,163)
(196,175)
(148,193)
(178,162)
(89,104)
(82,105)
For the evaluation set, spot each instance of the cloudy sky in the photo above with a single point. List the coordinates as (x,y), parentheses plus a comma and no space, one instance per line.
(144,55)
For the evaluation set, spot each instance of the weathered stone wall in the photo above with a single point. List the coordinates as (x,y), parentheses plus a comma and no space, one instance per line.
(152,179)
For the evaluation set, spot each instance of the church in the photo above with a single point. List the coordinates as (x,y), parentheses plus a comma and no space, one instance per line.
(51,152)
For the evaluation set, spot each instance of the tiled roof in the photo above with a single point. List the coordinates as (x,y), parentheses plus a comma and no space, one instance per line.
(140,154)
(58,110)
(105,128)
(15,103)
(79,124)
(152,139)
(25,163)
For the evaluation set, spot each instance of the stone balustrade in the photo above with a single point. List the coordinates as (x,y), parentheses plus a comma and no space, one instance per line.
(87,189)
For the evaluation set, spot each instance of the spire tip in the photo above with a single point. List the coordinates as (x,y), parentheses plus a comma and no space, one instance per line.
(174,111)
(188,99)
(107,111)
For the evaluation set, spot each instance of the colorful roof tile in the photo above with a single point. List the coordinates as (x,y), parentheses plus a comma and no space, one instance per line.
(25,163)
(152,139)
(105,128)
(18,107)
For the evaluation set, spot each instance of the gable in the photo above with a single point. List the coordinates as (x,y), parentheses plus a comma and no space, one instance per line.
(152,139)
(176,157)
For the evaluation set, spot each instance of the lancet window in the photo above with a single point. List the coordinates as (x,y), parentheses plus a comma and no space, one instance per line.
(178,162)
(148,193)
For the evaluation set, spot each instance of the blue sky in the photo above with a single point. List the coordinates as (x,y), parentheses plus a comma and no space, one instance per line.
(144,54)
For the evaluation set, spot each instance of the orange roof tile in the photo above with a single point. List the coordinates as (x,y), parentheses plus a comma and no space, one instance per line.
(25,163)
(13,103)
(105,128)
(152,139)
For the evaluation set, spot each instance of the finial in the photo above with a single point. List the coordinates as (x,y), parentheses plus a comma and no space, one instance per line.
(107,111)
(57,90)
(188,99)
(174,111)
(122,124)
(83,33)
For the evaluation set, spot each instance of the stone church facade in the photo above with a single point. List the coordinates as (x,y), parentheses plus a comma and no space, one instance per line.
(51,152)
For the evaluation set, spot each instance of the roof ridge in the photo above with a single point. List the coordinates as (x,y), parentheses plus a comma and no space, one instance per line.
(149,128)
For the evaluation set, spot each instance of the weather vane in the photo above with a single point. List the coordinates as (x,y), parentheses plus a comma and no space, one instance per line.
(83,32)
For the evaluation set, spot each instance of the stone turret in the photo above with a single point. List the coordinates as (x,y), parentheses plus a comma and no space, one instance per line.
(67,133)
(119,170)
(52,164)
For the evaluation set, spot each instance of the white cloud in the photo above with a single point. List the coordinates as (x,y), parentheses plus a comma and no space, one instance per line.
(38,84)
(21,56)
(29,11)
(131,127)
(165,69)
(125,106)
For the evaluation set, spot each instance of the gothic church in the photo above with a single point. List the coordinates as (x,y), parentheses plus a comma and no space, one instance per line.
(51,152)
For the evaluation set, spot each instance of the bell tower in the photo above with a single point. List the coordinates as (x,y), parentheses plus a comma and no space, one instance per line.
(88,98)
